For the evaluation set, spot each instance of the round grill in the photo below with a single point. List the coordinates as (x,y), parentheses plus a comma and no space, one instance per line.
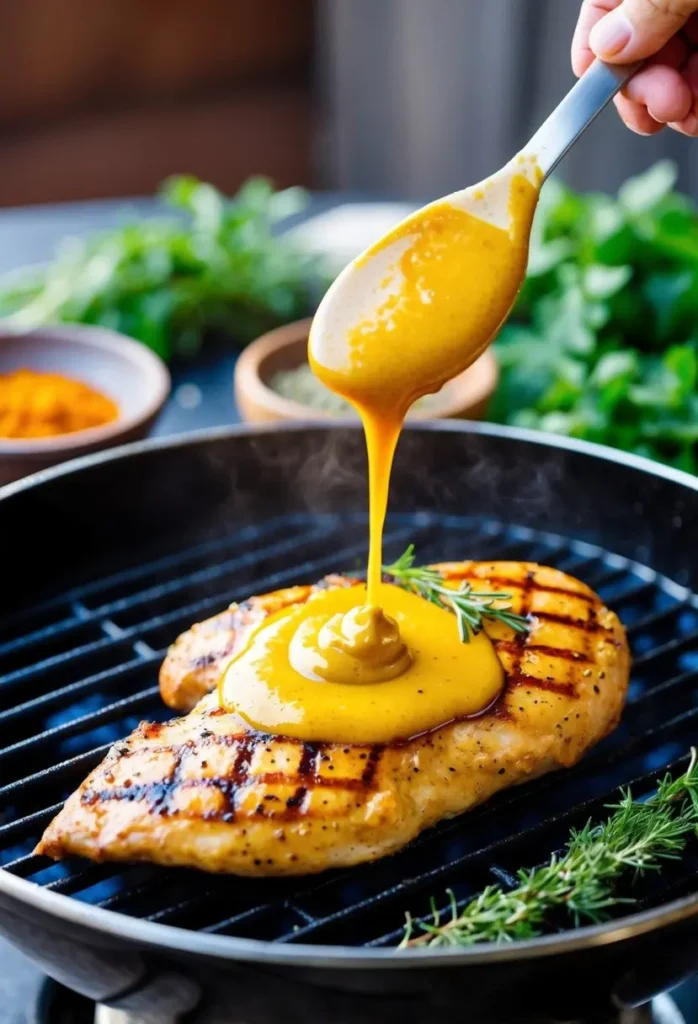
(79,671)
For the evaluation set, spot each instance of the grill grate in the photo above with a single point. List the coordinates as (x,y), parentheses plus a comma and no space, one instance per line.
(79,672)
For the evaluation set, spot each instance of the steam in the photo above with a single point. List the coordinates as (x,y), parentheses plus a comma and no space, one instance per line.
(322,470)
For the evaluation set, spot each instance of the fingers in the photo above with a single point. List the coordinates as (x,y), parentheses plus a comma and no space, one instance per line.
(666,91)
(663,92)
(689,124)
(637,29)
(591,12)
(636,118)
(659,94)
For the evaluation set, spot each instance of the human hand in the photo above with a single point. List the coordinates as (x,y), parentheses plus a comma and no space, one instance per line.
(665,92)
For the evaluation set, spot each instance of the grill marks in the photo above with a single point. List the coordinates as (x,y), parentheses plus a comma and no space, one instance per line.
(306,768)
(518,678)
(520,645)
(160,795)
(514,647)
(517,645)
(527,584)
(590,625)
(372,764)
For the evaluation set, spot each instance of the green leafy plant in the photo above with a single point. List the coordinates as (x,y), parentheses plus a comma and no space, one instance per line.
(636,838)
(469,606)
(212,265)
(603,342)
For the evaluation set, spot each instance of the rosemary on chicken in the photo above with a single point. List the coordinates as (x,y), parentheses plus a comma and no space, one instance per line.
(636,837)
(470,606)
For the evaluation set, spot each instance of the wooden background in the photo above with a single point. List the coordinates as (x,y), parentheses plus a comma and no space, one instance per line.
(425,96)
(107,97)
(405,98)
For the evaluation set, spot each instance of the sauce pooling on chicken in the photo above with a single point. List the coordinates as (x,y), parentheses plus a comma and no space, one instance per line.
(279,682)
(354,667)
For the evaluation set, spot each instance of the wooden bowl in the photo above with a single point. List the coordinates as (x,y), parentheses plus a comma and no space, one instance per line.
(465,397)
(121,368)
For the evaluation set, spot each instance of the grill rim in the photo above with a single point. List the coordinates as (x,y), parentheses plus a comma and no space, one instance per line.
(168,938)
(538,437)
(329,957)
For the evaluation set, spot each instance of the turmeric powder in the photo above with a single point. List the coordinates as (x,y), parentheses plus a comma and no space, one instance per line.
(46,404)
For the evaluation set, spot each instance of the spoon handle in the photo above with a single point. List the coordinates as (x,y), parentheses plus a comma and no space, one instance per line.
(585,100)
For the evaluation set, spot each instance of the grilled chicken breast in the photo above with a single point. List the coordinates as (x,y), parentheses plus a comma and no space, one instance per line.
(193,663)
(205,791)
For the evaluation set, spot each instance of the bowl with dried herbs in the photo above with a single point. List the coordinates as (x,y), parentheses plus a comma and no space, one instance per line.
(274,383)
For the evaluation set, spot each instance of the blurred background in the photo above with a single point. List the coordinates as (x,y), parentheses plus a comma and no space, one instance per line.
(163,115)
(371,105)
(400,98)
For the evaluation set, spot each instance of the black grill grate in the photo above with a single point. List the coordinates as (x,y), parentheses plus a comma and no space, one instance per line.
(79,672)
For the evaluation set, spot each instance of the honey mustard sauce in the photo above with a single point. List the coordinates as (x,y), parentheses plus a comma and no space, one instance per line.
(378,664)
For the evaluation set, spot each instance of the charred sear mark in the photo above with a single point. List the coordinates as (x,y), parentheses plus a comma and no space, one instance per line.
(158,795)
(210,657)
(500,711)
(309,755)
(295,801)
(590,625)
(372,764)
(519,678)
(513,647)
(527,584)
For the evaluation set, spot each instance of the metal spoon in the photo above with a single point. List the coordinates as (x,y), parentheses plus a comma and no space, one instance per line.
(360,290)
(582,104)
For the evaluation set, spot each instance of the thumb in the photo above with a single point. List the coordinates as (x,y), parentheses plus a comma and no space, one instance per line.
(639,28)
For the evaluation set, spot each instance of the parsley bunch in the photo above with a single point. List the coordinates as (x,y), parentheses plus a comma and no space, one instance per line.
(603,342)
(208,265)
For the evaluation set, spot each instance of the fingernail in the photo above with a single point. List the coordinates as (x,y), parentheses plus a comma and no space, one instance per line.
(610,35)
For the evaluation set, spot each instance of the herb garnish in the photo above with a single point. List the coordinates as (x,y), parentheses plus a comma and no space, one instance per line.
(636,837)
(602,342)
(206,266)
(470,606)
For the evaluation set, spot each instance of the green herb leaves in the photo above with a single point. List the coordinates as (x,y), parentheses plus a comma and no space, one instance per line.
(212,267)
(470,606)
(603,344)
(637,837)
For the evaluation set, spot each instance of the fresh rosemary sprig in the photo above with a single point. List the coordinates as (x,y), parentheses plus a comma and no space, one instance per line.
(636,837)
(470,606)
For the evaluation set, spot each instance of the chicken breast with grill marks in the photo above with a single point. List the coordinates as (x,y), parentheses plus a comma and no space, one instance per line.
(207,792)
(193,663)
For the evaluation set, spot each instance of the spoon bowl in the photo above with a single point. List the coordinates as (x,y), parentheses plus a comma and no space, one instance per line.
(369,288)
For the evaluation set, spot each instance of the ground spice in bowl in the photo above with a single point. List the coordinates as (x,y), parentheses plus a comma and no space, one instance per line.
(47,404)
(301,385)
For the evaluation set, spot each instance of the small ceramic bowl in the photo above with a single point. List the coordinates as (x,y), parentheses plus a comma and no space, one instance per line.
(128,372)
(465,397)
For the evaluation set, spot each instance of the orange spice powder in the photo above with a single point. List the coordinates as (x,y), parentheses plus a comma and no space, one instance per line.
(46,404)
